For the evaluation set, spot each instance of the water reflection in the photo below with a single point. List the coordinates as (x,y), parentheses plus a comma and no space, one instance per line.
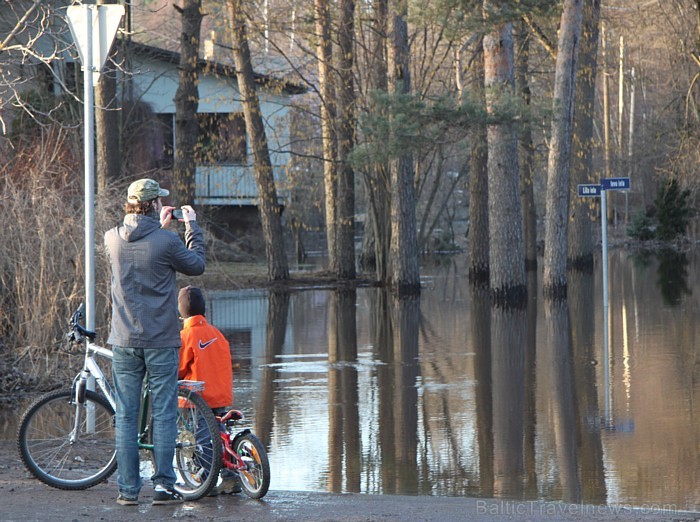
(557,359)
(481,334)
(445,395)
(671,273)
(530,382)
(508,399)
(343,416)
(277,317)
(402,358)
(582,309)
(673,276)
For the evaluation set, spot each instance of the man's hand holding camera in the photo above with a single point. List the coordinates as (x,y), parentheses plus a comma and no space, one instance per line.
(185,213)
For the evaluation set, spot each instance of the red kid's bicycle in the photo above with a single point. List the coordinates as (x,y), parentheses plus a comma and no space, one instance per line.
(243,453)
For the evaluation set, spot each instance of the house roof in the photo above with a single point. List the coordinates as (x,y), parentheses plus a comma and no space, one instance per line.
(216,67)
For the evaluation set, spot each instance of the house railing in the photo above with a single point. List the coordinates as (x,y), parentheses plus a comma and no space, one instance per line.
(235,185)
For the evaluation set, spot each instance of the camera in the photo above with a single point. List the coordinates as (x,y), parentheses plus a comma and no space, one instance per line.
(177,213)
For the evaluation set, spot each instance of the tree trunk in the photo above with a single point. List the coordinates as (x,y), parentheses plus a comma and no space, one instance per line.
(270,210)
(107,152)
(345,237)
(506,256)
(526,152)
(405,277)
(479,193)
(555,245)
(377,233)
(367,259)
(328,114)
(107,148)
(580,228)
(107,142)
(186,104)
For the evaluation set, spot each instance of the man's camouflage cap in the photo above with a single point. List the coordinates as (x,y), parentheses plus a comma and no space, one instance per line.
(145,190)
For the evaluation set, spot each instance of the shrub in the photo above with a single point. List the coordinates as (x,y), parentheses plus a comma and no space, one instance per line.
(42,270)
(641,227)
(672,210)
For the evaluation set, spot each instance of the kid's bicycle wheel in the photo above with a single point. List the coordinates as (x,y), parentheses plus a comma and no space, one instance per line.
(61,452)
(255,478)
(198,449)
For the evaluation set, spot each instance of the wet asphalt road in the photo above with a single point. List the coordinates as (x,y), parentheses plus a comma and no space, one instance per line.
(29,500)
(25,499)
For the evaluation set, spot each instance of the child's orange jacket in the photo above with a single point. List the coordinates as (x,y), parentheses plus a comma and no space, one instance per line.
(205,356)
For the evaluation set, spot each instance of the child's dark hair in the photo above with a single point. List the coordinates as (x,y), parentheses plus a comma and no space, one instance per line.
(190,301)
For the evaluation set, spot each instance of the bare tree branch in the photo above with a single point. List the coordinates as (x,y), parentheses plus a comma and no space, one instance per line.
(19,25)
(541,37)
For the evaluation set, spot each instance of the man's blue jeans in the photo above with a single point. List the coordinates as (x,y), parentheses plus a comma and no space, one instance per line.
(129,366)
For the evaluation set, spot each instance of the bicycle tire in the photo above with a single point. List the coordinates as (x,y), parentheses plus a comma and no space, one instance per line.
(44,446)
(255,479)
(198,448)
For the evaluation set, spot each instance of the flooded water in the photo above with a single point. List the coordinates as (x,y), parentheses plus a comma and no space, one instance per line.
(354,391)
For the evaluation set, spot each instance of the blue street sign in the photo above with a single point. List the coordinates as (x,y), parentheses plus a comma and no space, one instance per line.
(615,183)
(589,191)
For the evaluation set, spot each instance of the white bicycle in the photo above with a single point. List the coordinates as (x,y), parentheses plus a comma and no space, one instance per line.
(66,438)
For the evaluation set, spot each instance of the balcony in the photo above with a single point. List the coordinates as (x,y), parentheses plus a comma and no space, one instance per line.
(235,185)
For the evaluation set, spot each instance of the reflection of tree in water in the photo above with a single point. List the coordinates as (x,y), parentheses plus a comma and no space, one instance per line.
(344,442)
(557,356)
(582,313)
(276,330)
(642,258)
(480,318)
(396,327)
(672,276)
(508,399)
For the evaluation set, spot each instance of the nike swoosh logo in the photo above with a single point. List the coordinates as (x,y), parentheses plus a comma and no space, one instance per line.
(202,345)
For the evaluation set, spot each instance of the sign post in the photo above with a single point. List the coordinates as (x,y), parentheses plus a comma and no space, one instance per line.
(601,191)
(93,28)
(605,185)
(608,184)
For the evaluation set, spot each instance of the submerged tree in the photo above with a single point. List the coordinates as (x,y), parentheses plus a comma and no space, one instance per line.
(526,150)
(555,245)
(405,277)
(506,255)
(377,233)
(580,241)
(324,50)
(345,227)
(479,191)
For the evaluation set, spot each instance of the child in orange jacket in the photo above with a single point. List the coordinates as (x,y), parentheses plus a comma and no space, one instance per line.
(205,355)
